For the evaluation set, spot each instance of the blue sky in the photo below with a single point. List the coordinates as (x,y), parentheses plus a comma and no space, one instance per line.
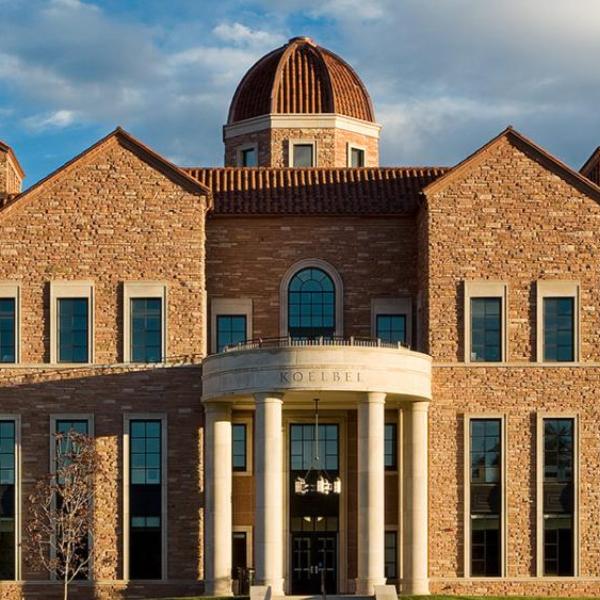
(444,75)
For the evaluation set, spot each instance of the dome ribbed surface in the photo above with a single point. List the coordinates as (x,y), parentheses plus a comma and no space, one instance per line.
(301,78)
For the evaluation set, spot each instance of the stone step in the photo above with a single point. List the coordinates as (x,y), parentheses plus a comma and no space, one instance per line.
(329,597)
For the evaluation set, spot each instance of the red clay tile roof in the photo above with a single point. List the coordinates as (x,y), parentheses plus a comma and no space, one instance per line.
(301,77)
(315,191)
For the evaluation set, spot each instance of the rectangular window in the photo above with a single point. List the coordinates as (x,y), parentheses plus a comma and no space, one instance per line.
(239,441)
(303,451)
(357,157)
(73,333)
(145,499)
(303,155)
(7,499)
(231,330)
(391,446)
(558,496)
(559,328)
(146,330)
(80,426)
(8,330)
(486,329)
(391,555)
(248,157)
(391,328)
(391,320)
(485,501)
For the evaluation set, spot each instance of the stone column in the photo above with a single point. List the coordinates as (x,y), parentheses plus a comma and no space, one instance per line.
(268,462)
(371,493)
(217,490)
(416,578)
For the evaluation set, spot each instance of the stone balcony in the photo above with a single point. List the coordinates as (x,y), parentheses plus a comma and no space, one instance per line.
(338,369)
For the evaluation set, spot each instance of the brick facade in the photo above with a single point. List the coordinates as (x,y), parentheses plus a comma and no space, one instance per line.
(11,175)
(119,213)
(510,218)
(384,245)
(103,219)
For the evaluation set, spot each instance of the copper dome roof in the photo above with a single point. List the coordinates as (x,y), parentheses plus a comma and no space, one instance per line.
(300,77)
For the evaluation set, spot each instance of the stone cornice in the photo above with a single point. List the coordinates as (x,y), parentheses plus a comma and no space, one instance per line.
(301,121)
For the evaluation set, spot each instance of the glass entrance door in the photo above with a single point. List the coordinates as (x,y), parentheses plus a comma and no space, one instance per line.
(314,563)
(314,518)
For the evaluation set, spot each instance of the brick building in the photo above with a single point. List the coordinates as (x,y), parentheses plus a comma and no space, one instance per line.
(446,320)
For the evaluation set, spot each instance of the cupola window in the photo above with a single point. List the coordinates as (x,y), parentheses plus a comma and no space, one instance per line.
(248,157)
(357,157)
(303,155)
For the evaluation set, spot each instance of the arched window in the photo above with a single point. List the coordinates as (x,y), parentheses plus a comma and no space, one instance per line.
(311,304)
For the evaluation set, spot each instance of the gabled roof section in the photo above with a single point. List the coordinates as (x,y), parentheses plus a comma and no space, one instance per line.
(591,167)
(128,141)
(4,147)
(530,148)
(316,191)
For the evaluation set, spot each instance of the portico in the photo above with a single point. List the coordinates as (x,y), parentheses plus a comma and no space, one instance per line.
(278,382)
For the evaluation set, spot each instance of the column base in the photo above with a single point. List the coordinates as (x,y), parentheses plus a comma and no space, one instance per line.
(268,589)
(218,587)
(366,587)
(415,587)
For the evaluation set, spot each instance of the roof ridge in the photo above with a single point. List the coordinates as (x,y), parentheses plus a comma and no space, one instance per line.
(8,149)
(589,164)
(298,169)
(181,175)
(509,132)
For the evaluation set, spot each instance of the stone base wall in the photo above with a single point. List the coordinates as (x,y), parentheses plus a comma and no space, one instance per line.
(535,587)
(113,590)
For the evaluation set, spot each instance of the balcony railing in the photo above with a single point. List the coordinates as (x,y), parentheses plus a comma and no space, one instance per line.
(287,342)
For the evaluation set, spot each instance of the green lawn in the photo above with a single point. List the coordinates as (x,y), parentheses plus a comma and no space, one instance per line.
(402,597)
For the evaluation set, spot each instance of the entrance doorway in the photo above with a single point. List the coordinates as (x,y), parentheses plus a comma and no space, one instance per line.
(314,517)
(314,563)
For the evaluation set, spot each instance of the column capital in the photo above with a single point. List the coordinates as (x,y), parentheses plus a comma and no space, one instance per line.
(419,406)
(264,397)
(218,408)
(373,397)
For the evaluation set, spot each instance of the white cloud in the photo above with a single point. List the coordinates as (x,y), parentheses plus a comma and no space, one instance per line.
(72,5)
(339,9)
(241,35)
(56,120)
(444,76)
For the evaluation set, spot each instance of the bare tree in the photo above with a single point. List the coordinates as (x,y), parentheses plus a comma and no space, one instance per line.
(60,510)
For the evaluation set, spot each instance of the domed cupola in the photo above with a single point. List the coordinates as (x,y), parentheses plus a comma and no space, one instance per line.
(301,78)
(301,105)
